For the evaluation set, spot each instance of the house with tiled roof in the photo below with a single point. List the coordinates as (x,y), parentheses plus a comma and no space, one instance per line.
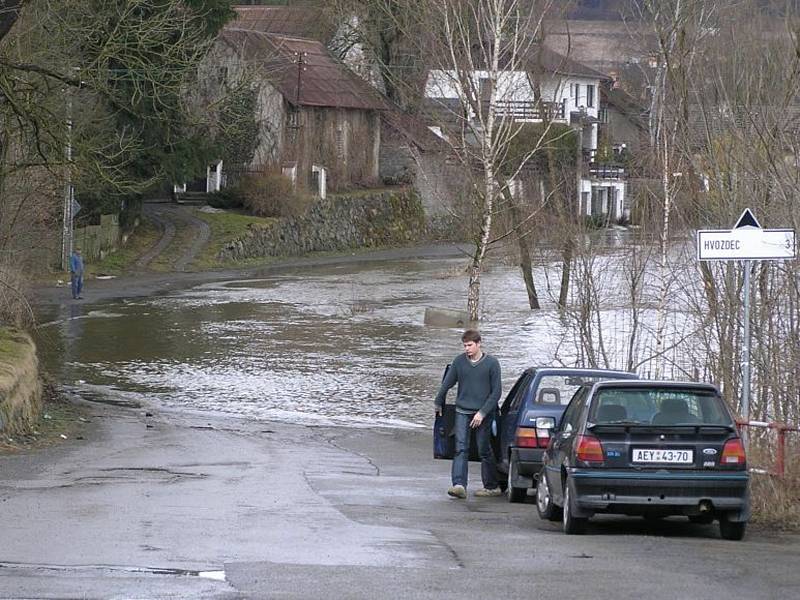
(313,115)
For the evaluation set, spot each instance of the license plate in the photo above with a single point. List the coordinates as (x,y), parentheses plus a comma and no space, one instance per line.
(663,456)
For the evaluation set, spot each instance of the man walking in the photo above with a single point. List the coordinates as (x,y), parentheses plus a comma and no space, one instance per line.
(76,273)
(479,388)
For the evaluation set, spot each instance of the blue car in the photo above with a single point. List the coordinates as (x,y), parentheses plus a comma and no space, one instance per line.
(528,414)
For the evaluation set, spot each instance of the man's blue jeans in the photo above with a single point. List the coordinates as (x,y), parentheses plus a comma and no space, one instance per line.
(77,284)
(461,460)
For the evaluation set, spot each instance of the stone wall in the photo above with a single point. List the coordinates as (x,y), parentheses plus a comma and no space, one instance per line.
(341,222)
(20,389)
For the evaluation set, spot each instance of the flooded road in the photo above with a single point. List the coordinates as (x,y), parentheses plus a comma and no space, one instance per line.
(343,344)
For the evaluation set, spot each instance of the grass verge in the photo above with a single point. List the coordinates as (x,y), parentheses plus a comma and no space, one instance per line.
(225,227)
(140,241)
(59,420)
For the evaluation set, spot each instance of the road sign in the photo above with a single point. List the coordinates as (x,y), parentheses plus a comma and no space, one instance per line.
(747,243)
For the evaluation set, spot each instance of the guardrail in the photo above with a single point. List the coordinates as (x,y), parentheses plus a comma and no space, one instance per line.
(771,441)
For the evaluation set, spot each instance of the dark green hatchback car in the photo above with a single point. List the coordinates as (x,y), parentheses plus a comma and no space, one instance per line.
(648,448)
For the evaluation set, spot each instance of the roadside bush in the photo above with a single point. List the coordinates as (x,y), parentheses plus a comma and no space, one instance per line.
(775,501)
(14,308)
(226,198)
(271,194)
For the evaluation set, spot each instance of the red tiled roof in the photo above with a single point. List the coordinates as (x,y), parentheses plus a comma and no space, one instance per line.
(323,81)
(305,22)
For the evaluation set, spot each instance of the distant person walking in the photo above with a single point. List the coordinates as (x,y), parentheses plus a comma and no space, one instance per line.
(76,273)
(479,388)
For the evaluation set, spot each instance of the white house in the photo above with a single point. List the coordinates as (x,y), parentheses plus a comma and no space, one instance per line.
(569,91)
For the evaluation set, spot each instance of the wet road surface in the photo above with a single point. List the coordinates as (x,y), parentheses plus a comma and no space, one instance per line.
(240,474)
(177,505)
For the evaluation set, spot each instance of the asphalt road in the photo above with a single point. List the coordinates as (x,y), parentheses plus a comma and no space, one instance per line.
(175,505)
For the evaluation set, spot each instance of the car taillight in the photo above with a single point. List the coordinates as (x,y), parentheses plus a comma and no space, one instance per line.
(543,435)
(526,438)
(589,449)
(733,453)
(532,437)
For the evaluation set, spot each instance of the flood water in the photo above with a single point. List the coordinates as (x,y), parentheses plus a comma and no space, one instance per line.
(342,345)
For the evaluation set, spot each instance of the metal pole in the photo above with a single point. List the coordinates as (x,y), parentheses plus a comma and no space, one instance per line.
(66,232)
(746,345)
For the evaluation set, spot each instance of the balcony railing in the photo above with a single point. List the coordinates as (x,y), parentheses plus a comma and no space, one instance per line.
(604,171)
(528,110)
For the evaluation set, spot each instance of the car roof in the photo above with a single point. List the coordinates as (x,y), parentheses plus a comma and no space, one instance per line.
(581,371)
(656,384)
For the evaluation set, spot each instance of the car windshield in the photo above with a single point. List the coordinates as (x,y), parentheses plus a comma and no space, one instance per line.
(659,406)
(559,389)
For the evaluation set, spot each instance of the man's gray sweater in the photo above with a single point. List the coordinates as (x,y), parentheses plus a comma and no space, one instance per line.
(479,385)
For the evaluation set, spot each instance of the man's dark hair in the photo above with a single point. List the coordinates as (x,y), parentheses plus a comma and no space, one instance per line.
(471,335)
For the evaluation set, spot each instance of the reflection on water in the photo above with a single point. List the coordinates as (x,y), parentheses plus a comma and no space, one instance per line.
(342,345)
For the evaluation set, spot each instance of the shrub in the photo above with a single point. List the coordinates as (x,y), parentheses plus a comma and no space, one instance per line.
(14,308)
(227,198)
(271,194)
(774,500)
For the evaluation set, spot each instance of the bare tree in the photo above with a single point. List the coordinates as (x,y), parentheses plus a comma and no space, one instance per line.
(484,50)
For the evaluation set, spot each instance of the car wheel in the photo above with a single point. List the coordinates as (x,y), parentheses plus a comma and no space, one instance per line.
(731,530)
(572,525)
(514,494)
(701,519)
(544,501)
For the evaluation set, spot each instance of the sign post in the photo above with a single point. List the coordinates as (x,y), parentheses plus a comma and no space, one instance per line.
(747,242)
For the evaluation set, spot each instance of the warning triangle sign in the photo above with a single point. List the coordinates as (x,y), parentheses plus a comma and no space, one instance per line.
(747,219)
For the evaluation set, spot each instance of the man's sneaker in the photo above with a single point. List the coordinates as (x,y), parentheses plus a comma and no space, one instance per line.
(457,491)
(484,493)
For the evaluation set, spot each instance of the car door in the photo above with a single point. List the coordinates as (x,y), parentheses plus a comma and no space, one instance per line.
(558,452)
(508,415)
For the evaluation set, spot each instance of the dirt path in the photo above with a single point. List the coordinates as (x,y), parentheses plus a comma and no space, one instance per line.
(155,214)
(177,225)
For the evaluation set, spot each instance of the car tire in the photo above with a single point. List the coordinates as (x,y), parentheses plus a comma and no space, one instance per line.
(544,501)
(731,530)
(572,525)
(514,494)
(701,519)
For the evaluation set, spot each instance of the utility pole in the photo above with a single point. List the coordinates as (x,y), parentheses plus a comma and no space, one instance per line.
(300,59)
(69,194)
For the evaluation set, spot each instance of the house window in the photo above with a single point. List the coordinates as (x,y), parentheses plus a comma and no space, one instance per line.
(590,96)
(576,93)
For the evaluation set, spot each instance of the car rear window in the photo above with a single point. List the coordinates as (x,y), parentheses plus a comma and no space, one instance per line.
(654,406)
(559,389)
